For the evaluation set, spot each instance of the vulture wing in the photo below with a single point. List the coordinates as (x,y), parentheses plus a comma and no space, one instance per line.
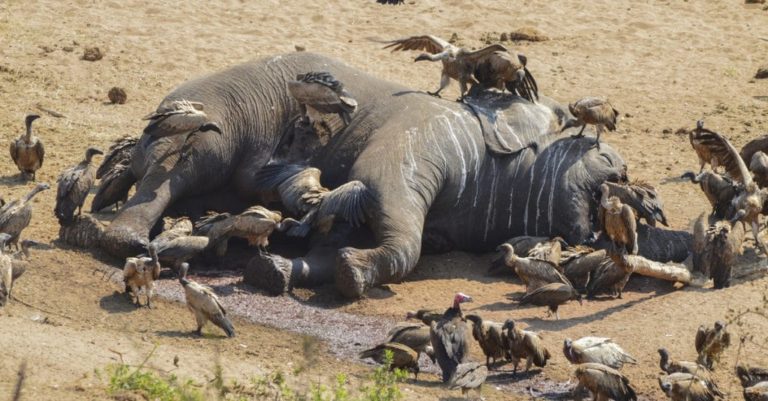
(14,151)
(701,338)
(721,149)
(479,56)
(756,145)
(428,43)
(468,376)
(40,151)
(349,201)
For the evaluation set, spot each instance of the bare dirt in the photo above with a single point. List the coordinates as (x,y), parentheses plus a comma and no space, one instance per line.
(663,64)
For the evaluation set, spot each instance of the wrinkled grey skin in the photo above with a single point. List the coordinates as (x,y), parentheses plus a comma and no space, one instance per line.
(424,161)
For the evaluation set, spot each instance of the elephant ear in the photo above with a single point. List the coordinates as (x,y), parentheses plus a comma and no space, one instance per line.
(510,123)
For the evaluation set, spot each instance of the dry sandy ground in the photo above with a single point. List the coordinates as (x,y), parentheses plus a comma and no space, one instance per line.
(664,64)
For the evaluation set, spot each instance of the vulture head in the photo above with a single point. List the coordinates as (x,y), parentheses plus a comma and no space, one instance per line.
(460,298)
(91,152)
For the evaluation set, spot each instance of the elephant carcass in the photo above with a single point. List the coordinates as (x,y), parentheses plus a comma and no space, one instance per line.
(430,166)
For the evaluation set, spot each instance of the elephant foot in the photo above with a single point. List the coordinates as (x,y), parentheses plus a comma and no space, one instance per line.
(82,232)
(270,273)
(354,274)
(122,241)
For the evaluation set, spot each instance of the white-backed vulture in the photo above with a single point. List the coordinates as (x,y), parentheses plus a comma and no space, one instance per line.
(27,151)
(549,251)
(524,344)
(140,273)
(176,251)
(6,271)
(618,221)
(522,246)
(711,342)
(458,63)
(597,350)
(749,376)
(20,261)
(758,166)
(320,93)
(533,272)
(642,198)
(552,296)
(490,336)
(414,335)
(580,262)
(720,190)
(204,304)
(468,376)
(427,316)
(74,185)
(716,248)
(756,392)
(502,69)
(177,117)
(255,224)
(120,153)
(710,148)
(592,110)
(604,382)
(16,215)
(450,337)
(670,366)
(403,356)
(611,275)
(115,174)
(686,387)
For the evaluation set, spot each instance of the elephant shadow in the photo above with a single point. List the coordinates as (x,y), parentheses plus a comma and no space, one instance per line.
(117,302)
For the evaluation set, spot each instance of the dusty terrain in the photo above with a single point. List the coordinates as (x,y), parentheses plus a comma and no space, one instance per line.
(663,64)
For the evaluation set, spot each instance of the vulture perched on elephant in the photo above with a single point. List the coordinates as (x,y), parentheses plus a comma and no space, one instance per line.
(115,174)
(502,69)
(711,342)
(642,198)
(552,296)
(450,338)
(320,93)
(596,350)
(604,382)
(16,215)
(686,387)
(720,190)
(74,184)
(414,335)
(403,356)
(27,151)
(179,117)
(468,376)
(618,221)
(204,304)
(490,336)
(592,110)
(524,344)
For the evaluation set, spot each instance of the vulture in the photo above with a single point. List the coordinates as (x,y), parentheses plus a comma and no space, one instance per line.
(204,304)
(174,228)
(642,198)
(113,188)
(119,153)
(20,261)
(757,392)
(533,272)
(758,166)
(522,246)
(551,295)
(716,248)
(403,356)
(27,150)
(179,250)
(502,69)
(178,117)
(297,185)
(596,350)
(449,338)
(393,2)
(604,382)
(711,148)
(671,366)
(427,316)
(592,110)
(618,221)
(320,93)
(549,251)
(720,190)
(468,376)
(750,198)
(16,215)
(141,273)
(711,342)
(74,185)
(751,376)
(686,387)
(255,224)
(490,336)
(458,64)
(524,344)
(580,262)
(611,275)
(6,271)
(413,335)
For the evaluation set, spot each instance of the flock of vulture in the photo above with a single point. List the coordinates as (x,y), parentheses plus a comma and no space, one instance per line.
(552,275)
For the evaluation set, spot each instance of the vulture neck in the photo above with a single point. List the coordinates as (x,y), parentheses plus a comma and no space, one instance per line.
(664,362)
(28,197)
(28,134)
(510,258)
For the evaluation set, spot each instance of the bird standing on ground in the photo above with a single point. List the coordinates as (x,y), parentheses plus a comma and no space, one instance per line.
(141,273)
(6,271)
(449,337)
(533,272)
(468,376)
(711,342)
(74,185)
(427,316)
(403,356)
(490,336)
(551,295)
(592,110)
(604,382)
(596,350)
(413,335)
(27,150)
(16,215)
(524,344)
(204,304)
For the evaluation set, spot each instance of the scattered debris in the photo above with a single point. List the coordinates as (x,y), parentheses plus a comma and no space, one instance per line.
(117,95)
(504,37)
(454,38)
(53,113)
(754,1)
(529,34)
(762,72)
(92,54)
(299,48)
(68,49)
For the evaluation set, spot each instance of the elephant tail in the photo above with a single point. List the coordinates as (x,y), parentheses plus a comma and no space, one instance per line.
(349,201)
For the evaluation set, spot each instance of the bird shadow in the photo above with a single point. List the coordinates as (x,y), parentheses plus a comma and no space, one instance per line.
(117,302)
(176,334)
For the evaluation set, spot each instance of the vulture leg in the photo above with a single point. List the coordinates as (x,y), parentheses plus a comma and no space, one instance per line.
(756,234)
(200,323)
(150,291)
(581,133)
(444,81)
(599,130)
